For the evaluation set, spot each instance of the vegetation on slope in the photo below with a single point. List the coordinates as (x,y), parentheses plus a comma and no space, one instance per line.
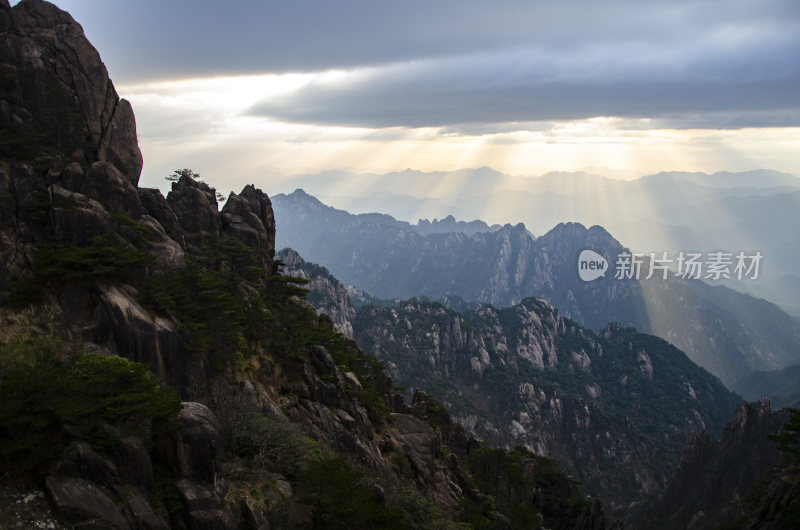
(230,312)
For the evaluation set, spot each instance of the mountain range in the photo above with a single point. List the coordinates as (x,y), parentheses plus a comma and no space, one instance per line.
(614,408)
(668,211)
(726,332)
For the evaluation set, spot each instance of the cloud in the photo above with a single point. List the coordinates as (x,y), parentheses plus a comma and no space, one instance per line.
(735,83)
(457,62)
(152,39)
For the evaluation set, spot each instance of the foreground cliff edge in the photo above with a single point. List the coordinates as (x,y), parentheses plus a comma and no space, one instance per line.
(156,372)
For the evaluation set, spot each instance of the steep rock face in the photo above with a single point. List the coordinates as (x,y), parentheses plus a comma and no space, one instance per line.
(714,478)
(248,217)
(68,151)
(194,207)
(57,99)
(326,293)
(127,328)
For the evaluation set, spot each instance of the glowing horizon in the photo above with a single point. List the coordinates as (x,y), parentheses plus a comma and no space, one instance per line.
(204,123)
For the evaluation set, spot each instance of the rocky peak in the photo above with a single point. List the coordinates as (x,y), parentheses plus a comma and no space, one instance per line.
(309,201)
(326,293)
(748,418)
(69,159)
(248,216)
(56,98)
(194,205)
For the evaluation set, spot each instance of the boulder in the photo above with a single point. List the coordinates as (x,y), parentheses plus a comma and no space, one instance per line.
(84,504)
(133,462)
(166,251)
(142,512)
(157,207)
(202,507)
(322,361)
(104,183)
(196,496)
(71,177)
(199,443)
(77,219)
(80,460)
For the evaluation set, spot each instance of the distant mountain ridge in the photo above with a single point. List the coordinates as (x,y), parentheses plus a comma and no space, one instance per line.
(664,211)
(718,328)
(782,386)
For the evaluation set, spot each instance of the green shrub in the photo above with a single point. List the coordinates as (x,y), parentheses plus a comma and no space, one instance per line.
(273,445)
(338,498)
(419,512)
(39,396)
(106,258)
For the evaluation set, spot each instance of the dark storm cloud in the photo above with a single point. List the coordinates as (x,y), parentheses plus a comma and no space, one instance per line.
(759,86)
(470,61)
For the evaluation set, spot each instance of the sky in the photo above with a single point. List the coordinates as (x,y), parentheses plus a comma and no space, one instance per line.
(244,91)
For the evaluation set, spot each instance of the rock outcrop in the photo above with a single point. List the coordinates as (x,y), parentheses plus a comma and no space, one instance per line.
(69,158)
(194,208)
(248,217)
(326,293)
(57,100)
(115,489)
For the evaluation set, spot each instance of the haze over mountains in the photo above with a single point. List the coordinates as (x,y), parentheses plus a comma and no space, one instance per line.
(669,211)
